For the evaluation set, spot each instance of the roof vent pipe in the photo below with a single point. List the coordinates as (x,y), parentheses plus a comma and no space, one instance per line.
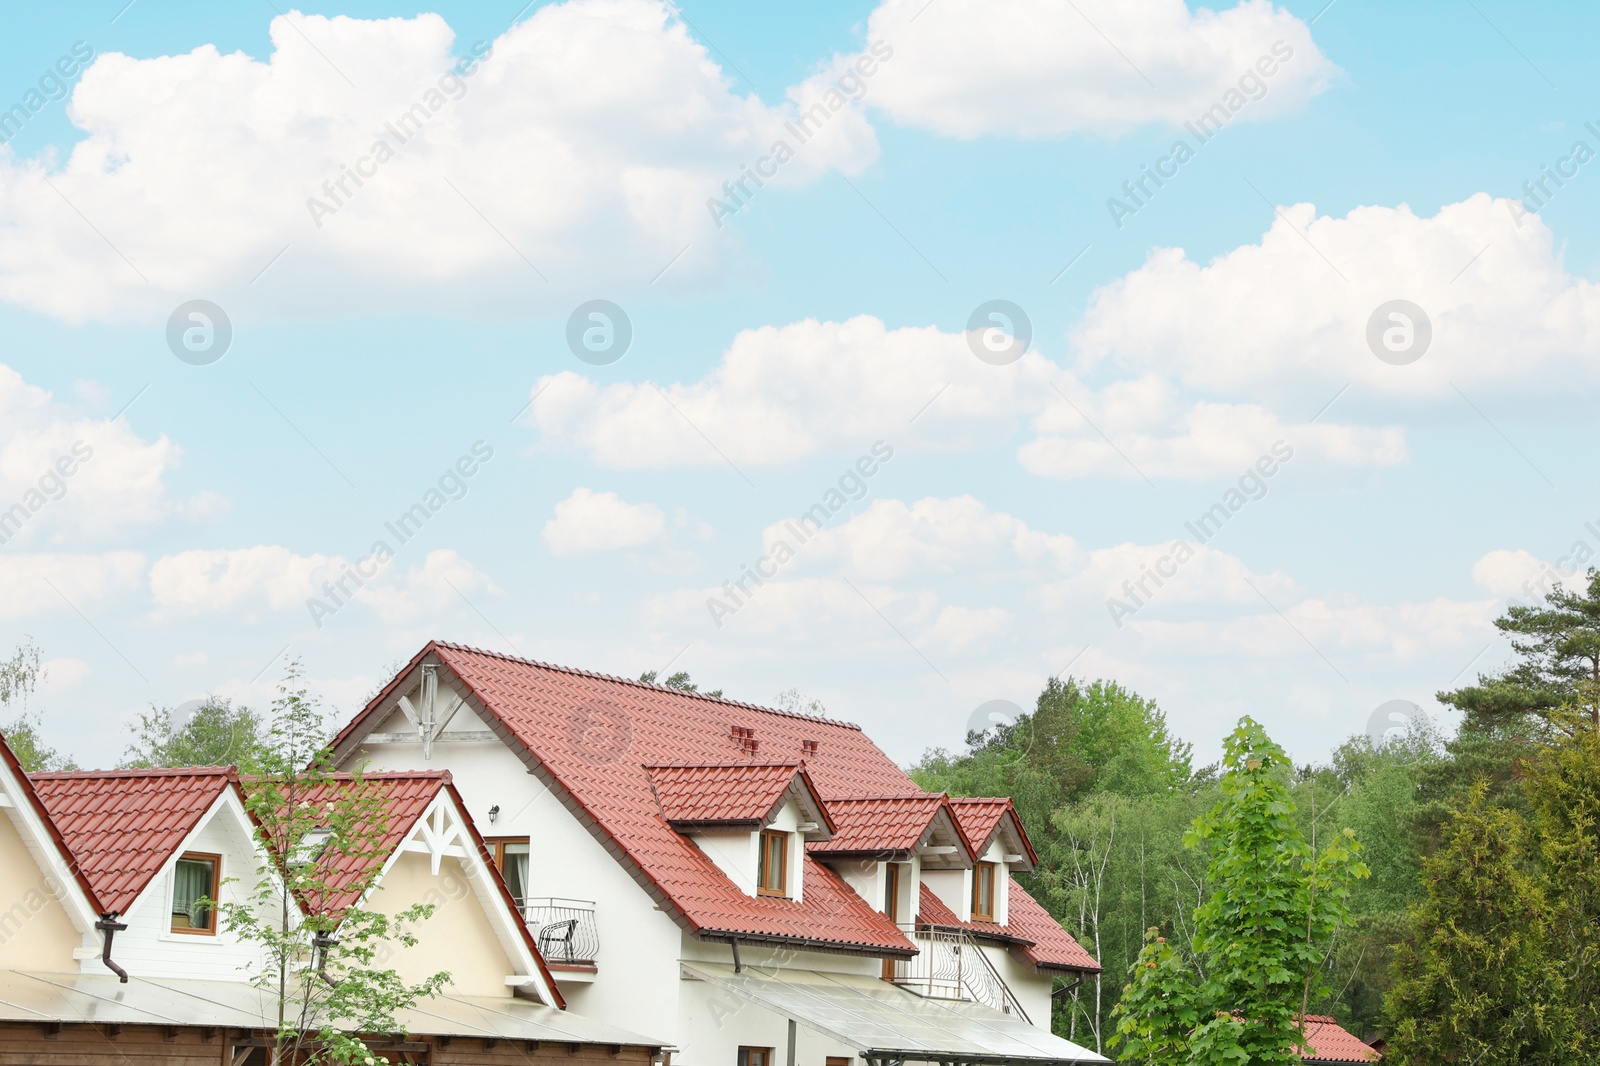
(109,927)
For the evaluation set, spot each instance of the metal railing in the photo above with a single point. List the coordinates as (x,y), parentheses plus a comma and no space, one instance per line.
(565,929)
(950,964)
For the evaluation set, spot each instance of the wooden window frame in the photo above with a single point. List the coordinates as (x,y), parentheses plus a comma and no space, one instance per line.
(891,891)
(216,887)
(497,849)
(746,1049)
(773,838)
(978,870)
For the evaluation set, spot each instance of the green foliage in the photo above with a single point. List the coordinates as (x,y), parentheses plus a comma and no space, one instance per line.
(679,681)
(19,676)
(323,955)
(1564,787)
(1556,683)
(1475,982)
(1261,935)
(218,734)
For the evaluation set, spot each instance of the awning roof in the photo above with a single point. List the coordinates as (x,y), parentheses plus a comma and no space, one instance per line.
(103,1000)
(885,1022)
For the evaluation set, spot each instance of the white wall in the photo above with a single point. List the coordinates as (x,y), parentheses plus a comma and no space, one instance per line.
(149,948)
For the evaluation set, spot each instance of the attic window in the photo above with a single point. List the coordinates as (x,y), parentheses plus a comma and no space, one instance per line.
(983,892)
(311,847)
(195,879)
(773,877)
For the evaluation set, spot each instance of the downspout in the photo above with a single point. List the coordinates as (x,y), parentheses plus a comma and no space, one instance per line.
(109,927)
(738,967)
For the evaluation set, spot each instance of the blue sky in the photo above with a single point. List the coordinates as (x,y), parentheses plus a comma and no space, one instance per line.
(430,312)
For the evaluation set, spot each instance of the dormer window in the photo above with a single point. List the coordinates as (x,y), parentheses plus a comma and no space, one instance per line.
(773,876)
(983,892)
(194,878)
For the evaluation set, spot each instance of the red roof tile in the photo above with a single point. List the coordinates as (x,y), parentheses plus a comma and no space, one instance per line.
(1330,1042)
(31,795)
(594,736)
(980,819)
(401,798)
(882,824)
(1029,929)
(121,826)
(726,794)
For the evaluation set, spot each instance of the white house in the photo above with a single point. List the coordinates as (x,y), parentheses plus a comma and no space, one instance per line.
(107,955)
(754,885)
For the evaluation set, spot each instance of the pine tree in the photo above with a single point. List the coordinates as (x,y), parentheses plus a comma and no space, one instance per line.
(1475,983)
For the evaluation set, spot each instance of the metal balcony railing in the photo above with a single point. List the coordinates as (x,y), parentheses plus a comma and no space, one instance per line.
(565,929)
(950,964)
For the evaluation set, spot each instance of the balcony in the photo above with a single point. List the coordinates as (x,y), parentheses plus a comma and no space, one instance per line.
(565,930)
(950,964)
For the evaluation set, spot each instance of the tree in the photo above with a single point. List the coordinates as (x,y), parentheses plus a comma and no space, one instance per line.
(1557,681)
(1564,788)
(19,676)
(1475,982)
(1261,935)
(216,734)
(679,681)
(307,913)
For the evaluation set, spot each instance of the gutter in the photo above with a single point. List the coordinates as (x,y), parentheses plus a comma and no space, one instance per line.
(109,927)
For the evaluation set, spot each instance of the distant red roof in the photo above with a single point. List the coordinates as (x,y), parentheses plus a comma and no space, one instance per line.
(726,794)
(121,826)
(1329,1042)
(887,825)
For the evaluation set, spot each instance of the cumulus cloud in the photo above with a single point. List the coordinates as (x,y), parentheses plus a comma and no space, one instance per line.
(583,143)
(38,583)
(783,393)
(589,521)
(67,477)
(1505,314)
(1039,68)
(269,577)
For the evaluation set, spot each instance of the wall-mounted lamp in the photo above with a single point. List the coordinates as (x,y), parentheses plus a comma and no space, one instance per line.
(494,814)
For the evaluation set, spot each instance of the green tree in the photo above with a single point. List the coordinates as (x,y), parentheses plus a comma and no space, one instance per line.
(680,681)
(307,912)
(1556,683)
(19,676)
(1475,982)
(1564,789)
(1261,936)
(216,734)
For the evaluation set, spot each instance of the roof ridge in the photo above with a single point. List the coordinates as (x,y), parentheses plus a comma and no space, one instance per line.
(648,686)
(157,771)
(795,765)
(893,796)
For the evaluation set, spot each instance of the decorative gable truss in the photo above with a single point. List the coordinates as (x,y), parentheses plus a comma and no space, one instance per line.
(444,831)
(428,712)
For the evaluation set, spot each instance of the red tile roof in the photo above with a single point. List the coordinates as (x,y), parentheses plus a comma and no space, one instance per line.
(31,795)
(399,799)
(121,826)
(594,735)
(723,794)
(890,825)
(1330,1042)
(593,738)
(1029,929)
(980,819)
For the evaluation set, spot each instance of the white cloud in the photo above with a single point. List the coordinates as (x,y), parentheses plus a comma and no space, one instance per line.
(590,139)
(440,582)
(1040,68)
(26,580)
(783,393)
(589,521)
(1512,319)
(892,539)
(223,579)
(65,673)
(65,477)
